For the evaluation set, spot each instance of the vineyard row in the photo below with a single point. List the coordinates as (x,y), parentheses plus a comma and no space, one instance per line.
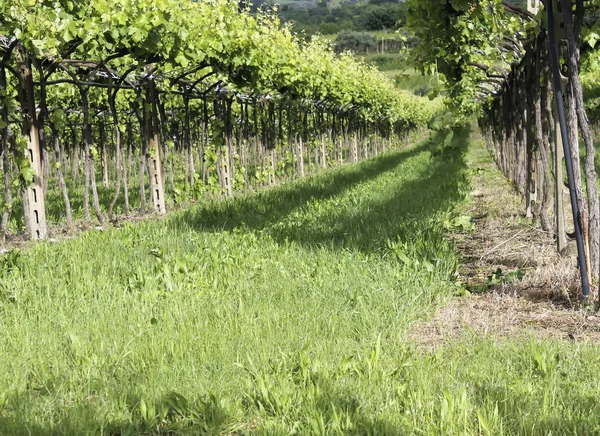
(203,97)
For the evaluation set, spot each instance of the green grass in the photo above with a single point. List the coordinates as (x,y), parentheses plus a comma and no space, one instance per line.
(491,387)
(263,312)
(282,312)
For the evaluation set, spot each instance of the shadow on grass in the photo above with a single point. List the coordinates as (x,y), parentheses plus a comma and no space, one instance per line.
(255,210)
(329,409)
(263,208)
(382,217)
(400,215)
(198,419)
(169,415)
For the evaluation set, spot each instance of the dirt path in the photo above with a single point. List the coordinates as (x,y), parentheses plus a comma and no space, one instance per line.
(518,283)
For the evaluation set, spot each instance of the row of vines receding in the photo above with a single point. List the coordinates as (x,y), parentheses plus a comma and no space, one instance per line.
(495,59)
(522,127)
(119,107)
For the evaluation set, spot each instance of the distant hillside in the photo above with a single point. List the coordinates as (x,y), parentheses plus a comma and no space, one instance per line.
(330,17)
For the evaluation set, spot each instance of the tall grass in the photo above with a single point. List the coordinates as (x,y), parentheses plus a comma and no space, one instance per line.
(282,312)
(241,315)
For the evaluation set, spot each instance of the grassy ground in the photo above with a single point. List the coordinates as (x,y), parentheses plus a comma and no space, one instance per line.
(279,312)
(283,312)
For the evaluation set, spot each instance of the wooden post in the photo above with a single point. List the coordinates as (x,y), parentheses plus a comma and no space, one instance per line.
(301,157)
(226,168)
(559,204)
(35,211)
(531,185)
(323,152)
(187,139)
(157,184)
(244,159)
(273,176)
(220,169)
(104,155)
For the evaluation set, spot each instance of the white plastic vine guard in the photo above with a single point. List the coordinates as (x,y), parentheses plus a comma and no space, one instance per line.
(533,6)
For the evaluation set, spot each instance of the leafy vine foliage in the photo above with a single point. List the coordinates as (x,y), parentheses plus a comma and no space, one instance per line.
(188,98)
(494,57)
